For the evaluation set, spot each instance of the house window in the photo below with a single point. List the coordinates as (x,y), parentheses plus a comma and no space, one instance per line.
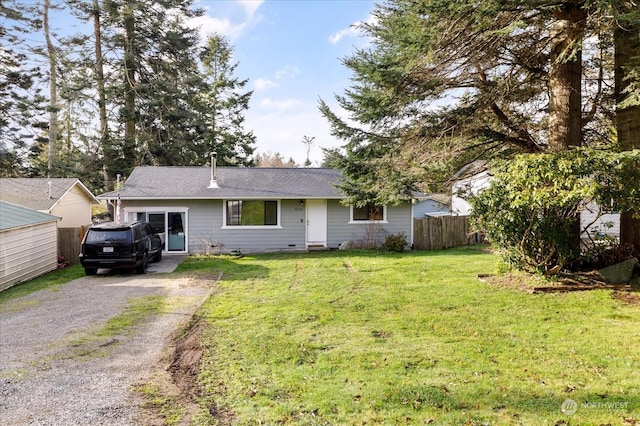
(252,213)
(368,213)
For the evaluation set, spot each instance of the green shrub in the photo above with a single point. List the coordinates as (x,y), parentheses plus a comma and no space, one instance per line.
(395,242)
(531,210)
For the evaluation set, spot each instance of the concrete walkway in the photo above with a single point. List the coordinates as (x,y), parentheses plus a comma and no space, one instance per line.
(168,264)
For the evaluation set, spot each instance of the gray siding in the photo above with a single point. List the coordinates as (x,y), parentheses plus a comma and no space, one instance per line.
(291,235)
(607,224)
(340,230)
(205,217)
(429,206)
(205,220)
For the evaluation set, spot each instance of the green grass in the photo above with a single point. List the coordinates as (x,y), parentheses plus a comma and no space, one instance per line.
(360,337)
(52,280)
(138,309)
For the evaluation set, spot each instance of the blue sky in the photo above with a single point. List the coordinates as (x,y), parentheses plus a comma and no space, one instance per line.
(291,52)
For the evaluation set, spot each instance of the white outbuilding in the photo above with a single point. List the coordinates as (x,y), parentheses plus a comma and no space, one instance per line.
(28,244)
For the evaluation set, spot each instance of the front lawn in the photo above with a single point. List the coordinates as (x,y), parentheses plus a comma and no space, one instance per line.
(412,338)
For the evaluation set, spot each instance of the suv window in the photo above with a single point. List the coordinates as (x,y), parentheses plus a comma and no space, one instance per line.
(95,236)
(149,230)
(139,232)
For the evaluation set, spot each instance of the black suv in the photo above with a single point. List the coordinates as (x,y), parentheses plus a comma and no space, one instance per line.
(120,245)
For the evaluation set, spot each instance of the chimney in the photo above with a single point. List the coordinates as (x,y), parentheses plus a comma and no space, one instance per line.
(214,175)
(49,185)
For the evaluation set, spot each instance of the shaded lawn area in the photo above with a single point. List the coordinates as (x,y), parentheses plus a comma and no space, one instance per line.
(51,280)
(365,337)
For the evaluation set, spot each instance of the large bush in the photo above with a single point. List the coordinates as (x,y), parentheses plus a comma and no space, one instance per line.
(531,210)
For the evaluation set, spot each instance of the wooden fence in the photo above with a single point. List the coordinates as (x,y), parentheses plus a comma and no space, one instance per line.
(69,240)
(442,232)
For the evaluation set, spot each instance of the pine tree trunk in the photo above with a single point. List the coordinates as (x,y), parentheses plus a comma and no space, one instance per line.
(627,56)
(53,91)
(129,149)
(565,84)
(565,77)
(107,150)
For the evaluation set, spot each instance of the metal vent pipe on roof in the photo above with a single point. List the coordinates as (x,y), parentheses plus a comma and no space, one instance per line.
(214,175)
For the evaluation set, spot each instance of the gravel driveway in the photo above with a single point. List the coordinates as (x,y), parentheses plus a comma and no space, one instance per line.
(50,376)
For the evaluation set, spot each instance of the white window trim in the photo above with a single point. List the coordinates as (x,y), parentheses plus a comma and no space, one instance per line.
(364,222)
(156,209)
(251,227)
(165,210)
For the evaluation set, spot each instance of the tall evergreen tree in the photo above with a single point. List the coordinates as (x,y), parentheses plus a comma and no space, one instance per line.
(156,83)
(445,83)
(627,93)
(134,91)
(21,102)
(53,88)
(222,105)
(568,27)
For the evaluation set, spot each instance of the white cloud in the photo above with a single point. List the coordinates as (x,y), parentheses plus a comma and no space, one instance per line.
(220,21)
(354,30)
(336,37)
(209,25)
(264,84)
(282,130)
(280,105)
(250,6)
(289,71)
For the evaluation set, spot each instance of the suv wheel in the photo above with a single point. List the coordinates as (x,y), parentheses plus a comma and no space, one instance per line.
(142,269)
(158,257)
(90,271)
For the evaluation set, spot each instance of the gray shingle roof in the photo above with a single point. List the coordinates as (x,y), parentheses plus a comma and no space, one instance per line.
(33,193)
(233,182)
(13,216)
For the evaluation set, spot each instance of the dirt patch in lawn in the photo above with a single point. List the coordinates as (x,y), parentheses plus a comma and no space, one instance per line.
(172,395)
(186,360)
(565,283)
(629,297)
(513,280)
(184,370)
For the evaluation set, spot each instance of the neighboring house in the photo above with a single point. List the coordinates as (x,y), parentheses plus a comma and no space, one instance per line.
(427,205)
(28,244)
(475,176)
(608,224)
(66,198)
(251,209)
(466,182)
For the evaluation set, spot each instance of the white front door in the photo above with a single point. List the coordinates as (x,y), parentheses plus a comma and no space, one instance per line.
(316,223)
